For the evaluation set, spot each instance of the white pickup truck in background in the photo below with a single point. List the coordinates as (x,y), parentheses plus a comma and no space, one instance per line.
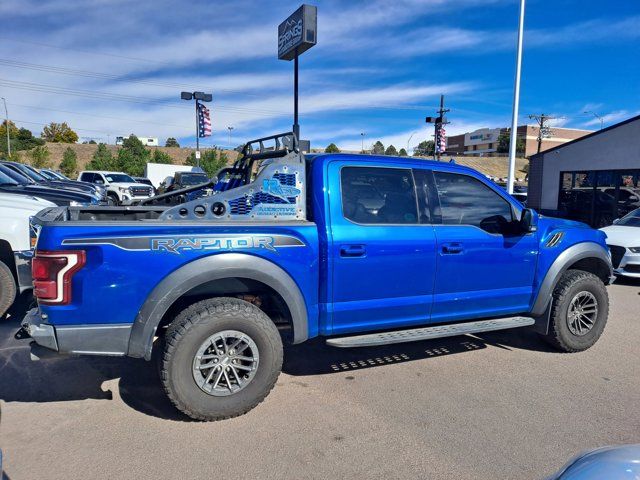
(15,245)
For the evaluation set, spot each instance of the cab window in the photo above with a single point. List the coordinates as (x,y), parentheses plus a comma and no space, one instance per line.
(372,195)
(465,200)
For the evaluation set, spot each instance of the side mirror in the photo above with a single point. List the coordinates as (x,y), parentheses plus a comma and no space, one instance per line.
(633,198)
(99,182)
(529,220)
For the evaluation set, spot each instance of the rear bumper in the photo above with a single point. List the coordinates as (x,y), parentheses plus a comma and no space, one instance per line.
(110,340)
(23,269)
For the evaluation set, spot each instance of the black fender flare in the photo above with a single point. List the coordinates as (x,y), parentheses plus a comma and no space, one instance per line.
(203,270)
(561,264)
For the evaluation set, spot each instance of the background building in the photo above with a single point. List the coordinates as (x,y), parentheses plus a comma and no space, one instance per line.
(594,179)
(485,141)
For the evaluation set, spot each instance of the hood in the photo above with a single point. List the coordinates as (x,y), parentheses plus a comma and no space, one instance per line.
(127,184)
(49,193)
(24,203)
(560,223)
(622,235)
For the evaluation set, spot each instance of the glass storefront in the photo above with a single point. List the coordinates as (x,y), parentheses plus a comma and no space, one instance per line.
(598,197)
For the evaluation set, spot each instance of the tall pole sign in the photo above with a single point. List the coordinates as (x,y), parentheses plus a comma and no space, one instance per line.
(296,35)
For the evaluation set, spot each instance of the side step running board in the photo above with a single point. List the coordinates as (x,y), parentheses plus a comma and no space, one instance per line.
(425,333)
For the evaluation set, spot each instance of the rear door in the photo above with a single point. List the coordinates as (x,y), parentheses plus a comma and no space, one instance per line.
(381,251)
(485,265)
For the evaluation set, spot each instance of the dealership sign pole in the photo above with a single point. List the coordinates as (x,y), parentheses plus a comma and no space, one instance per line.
(296,35)
(516,100)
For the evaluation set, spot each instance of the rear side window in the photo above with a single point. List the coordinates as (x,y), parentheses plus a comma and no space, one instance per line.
(87,177)
(378,195)
(465,200)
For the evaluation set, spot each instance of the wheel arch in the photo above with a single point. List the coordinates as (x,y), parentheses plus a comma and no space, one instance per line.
(205,271)
(588,256)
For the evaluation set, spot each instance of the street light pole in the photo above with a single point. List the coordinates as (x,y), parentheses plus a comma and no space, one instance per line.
(408,141)
(230,128)
(6,116)
(516,100)
(197,96)
(599,117)
(362,138)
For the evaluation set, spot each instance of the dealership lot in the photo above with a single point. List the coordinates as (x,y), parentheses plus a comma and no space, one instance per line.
(499,405)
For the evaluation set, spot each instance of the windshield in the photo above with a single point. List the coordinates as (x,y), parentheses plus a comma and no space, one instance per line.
(631,219)
(194,179)
(119,178)
(14,176)
(48,175)
(6,180)
(58,175)
(29,172)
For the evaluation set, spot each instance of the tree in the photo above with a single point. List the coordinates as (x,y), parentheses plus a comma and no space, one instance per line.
(425,148)
(210,161)
(92,142)
(133,157)
(59,133)
(504,141)
(378,148)
(102,159)
(21,139)
(391,150)
(402,153)
(171,142)
(39,156)
(332,148)
(161,157)
(69,164)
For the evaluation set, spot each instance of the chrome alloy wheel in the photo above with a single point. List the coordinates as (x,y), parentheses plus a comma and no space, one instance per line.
(582,313)
(225,363)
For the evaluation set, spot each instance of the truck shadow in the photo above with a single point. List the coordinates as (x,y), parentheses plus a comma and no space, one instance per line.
(67,378)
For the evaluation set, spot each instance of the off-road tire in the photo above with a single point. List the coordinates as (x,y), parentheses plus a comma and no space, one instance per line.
(7,288)
(571,283)
(186,334)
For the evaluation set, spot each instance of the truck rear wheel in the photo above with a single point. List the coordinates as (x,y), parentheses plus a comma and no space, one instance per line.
(579,311)
(222,357)
(7,288)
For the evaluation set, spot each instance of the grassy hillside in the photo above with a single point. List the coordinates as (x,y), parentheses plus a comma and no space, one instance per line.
(86,151)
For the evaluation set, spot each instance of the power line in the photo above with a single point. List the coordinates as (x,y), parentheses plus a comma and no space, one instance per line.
(146,122)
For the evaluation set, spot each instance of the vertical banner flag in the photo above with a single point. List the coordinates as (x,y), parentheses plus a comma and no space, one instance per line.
(441,141)
(204,121)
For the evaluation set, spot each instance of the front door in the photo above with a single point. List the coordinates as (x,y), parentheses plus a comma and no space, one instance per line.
(485,265)
(381,251)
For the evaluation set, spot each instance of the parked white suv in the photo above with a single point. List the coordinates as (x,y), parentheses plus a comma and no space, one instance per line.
(15,244)
(121,188)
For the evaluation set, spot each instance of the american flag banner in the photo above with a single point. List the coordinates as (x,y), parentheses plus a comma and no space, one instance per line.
(204,121)
(441,140)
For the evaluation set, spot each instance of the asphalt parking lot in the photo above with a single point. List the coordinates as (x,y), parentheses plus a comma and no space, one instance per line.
(499,405)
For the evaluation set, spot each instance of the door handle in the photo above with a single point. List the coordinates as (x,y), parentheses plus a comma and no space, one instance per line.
(452,248)
(353,251)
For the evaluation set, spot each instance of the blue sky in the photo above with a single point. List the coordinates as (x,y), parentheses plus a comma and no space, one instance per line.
(114,67)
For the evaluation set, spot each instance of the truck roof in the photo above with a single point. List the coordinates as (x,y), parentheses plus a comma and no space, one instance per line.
(376,159)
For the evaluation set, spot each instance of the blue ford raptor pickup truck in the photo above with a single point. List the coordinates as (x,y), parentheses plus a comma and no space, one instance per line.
(362,250)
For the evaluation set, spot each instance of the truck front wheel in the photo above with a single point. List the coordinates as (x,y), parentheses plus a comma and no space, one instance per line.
(579,311)
(222,357)
(7,288)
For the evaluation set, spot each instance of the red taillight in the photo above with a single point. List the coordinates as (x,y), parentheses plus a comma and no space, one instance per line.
(52,273)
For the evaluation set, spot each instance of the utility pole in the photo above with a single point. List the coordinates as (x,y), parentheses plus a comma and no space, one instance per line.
(516,103)
(543,129)
(6,116)
(439,138)
(599,117)
(362,134)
